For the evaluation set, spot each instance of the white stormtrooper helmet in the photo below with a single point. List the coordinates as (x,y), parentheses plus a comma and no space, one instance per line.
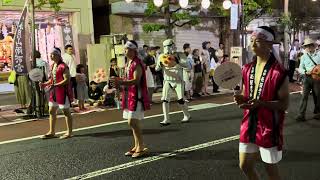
(169,46)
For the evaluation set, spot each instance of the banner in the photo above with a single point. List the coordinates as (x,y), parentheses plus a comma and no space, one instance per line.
(234,17)
(21,45)
(67,35)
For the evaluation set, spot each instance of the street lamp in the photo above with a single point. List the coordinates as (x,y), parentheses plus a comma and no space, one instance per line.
(158,3)
(183,3)
(227,4)
(205,4)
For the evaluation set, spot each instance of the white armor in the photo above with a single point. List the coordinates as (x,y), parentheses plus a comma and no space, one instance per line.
(173,79)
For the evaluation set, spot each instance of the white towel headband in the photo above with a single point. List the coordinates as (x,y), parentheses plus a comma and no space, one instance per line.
(263,34)
(130,45)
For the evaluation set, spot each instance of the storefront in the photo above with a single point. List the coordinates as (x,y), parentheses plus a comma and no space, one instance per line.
(72,25)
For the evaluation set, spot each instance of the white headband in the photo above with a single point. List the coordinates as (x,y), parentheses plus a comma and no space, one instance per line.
(263,34)
(55,51)
(130,45)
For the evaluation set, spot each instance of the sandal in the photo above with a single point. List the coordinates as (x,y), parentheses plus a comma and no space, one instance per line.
(140,154)
(65,136)
(48,136)
(130,153)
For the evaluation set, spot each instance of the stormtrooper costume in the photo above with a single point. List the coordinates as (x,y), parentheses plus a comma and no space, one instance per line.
(173,79)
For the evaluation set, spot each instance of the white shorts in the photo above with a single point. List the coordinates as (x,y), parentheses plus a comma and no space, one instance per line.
(268,155)
(61,106)
(138,114)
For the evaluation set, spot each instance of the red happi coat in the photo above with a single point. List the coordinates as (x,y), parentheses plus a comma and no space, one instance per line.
(130,94)
(267,130)
(59,93)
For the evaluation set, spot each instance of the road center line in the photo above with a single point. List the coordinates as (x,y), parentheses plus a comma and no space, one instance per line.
(154,158)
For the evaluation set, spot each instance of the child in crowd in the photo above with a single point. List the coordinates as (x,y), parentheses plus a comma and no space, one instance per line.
(225,59)
(82,88)
(95,94)
(109,95)
(114,70)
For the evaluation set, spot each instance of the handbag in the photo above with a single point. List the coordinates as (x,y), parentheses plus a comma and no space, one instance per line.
(315,73)
(12,77)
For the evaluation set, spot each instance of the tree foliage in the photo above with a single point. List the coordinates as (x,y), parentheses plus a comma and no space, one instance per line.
(180,17)
(54,4)
(173,15)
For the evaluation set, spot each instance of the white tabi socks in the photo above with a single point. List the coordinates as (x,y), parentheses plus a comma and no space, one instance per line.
(186,114)
(165,108)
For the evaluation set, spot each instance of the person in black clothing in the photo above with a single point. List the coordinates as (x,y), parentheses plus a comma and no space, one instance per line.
(149,60)
(114,70)
(95,94)
(197,80)
(150,63)
(213,56)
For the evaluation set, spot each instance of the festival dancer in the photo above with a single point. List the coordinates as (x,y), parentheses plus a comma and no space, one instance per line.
(172,68)
(135,98)
(60,94)
(264,100)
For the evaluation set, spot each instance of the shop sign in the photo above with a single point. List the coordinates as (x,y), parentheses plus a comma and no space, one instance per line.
(20,57)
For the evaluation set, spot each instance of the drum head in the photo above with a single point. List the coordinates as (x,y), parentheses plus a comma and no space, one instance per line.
(36,75)
(228,75)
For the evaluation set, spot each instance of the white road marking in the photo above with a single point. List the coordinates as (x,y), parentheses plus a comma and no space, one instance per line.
(154,158)
(112,123)
(192,108)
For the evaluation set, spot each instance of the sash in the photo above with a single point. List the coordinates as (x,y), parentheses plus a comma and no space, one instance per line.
(253,114)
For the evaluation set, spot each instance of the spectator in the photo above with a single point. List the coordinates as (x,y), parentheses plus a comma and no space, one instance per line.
(143,52)
(205,55)
(82,88)
(187,72)
(95,94)
(220,52)
(293,58)
(114,70)
(198,76)
(225,59)
(150,63)
(109,96)
(70,60)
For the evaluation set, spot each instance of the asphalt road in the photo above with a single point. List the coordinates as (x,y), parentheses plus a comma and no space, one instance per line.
(206,148)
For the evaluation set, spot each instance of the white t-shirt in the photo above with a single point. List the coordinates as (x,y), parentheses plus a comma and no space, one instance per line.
(293,53)
(70,61)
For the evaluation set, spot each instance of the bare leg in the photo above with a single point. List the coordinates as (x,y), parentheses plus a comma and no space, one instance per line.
(52,120)
(247,165)
(273,171)
(137,134)
(68,118)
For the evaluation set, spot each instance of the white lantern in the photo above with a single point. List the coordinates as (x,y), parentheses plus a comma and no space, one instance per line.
(183,3)
(227,4)
(158,3)
(205,4)
(128,1)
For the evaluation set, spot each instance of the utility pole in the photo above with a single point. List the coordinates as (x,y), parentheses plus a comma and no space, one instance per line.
(37,104)
(286,35)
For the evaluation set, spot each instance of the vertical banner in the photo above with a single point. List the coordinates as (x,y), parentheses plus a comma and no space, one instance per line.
(67,35)
(21,54)
(234,17)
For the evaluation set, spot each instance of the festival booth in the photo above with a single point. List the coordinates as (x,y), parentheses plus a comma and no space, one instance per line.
(52,30)
(99,56)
